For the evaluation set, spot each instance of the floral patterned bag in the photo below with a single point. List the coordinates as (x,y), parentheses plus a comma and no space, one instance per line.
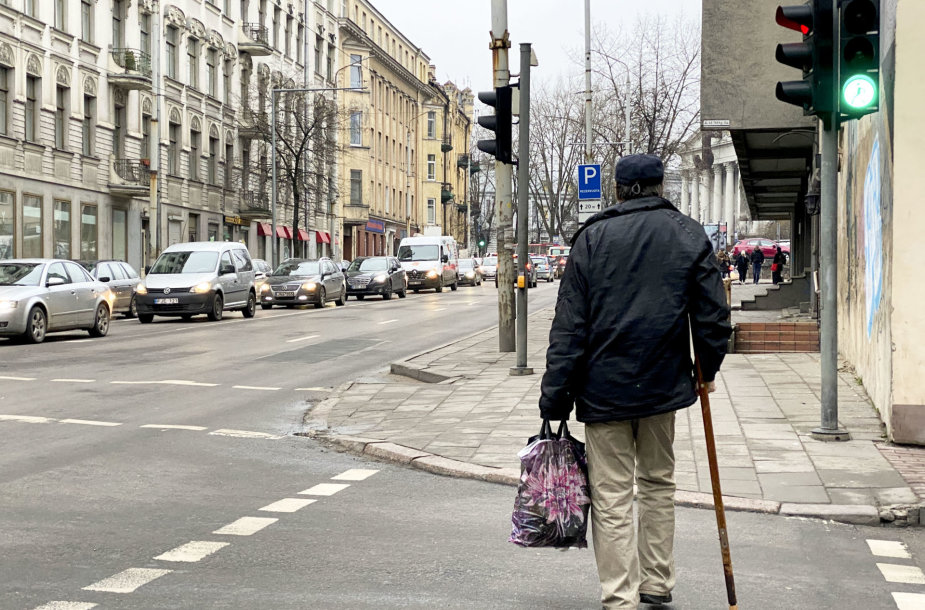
(553,497)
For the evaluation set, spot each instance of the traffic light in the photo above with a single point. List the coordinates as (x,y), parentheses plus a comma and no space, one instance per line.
(814,56)
(482,243)
(859,58)
(499,122)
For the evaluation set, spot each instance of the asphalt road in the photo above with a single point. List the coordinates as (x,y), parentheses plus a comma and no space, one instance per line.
(135,474)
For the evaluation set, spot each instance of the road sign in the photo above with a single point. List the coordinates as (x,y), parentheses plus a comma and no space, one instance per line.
(589,183)
(587,209)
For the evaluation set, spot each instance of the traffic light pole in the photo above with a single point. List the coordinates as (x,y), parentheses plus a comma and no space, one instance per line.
(503,189)
(523,177)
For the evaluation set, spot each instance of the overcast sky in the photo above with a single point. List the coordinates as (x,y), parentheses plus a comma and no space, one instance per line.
(455,33)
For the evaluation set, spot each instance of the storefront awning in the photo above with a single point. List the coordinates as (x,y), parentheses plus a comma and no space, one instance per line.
(284,232)
(303,235)
(322,237)
(264,229)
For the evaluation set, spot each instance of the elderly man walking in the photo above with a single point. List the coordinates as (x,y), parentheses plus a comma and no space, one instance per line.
(619,351)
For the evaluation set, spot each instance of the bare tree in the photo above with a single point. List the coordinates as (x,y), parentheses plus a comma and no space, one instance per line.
(482,189)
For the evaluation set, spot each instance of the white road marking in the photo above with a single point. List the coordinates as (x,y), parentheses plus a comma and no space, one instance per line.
(167,382)
(354,474)
(9,378)
(288,505)
(193,551)
(174,427)
(245,526)
(75,380)
(910,575)
(89,422)
(302,338)
(133,382)
(909,601)
(314,389)
(388,321)
(254,387)
(888,548)
(81,341)
(127,581)
(244,434)
(67,606)
(27,419)
(439,309)
(324,489)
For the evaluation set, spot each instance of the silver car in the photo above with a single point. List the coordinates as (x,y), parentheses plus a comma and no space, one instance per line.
(39,296)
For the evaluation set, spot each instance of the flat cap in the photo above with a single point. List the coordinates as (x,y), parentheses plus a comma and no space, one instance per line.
(642,169)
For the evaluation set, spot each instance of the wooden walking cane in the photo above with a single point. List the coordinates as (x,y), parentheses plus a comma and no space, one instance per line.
(717,491)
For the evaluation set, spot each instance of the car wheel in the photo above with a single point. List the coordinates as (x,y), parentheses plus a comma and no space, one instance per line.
(132,309)
(251,308)
(100,322)
(322,299)
(455,286)
(218,305)
(440,286)
(387,293)
(402,293)
(360,297)
(146,318)
(36,325)
(266,306)
(343,298)
(417,290)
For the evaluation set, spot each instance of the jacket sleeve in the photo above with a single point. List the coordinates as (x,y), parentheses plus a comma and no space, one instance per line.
(568,336)
(709,314)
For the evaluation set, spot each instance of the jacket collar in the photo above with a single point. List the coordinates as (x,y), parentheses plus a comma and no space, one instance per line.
(642,204)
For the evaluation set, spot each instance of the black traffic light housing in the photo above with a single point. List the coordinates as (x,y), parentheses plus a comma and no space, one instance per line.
(858,58)
(814,57)
(500,123)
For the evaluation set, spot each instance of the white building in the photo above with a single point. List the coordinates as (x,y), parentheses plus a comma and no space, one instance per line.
(711,190)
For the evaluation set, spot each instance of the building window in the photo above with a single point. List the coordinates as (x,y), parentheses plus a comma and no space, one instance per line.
(145,24)
(32,8)
(356,129)
(288,35)
(31,226)
(195,150)
(431,167)
(317,55)
(60,14)
(356,187)
(89,125)
(229,160)
(212,71)
(145,136)
(330,70)
(192,51)
(213,161)
(119,234)
(171,41)
(4,100)
(431,124)
(7,224)
(173,150)
(33,89)
(300,42)
(227,5)
(86,20)
(88,233)
(431,211)
(277,17)
(118,136)
(193,226)
(356,71)
(118,19)
(61,113)
(62,229)
(229,72)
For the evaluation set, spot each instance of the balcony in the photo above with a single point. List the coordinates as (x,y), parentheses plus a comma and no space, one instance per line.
(446,145)
(254,125)
(130,178)
(446,193)
(130,69)
(254,40)
(255,205)
(462,160)
(356,214)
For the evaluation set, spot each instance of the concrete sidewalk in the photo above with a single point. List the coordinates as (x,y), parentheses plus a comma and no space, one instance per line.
(455,410)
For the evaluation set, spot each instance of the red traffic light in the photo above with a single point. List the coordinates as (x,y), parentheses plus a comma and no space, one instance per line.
(798,18)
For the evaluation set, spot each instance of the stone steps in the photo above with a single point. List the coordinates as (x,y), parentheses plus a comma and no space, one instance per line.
(775,337)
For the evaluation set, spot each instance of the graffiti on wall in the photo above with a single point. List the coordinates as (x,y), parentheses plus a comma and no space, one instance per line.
(873,237)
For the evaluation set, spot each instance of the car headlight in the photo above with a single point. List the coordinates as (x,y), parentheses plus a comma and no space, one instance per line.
(380,278)
(8,305)
(202,288)
(470,274)
(265,288)
(432,273)
(309,286)
(141,289)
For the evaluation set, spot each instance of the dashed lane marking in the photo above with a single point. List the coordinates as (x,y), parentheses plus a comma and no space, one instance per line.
(89,422)
(889,548)
(127,581)
(254,387)
(288,505)
(303,338)
(388,322)
(909,601)
(324,489)
(27,419)
(74,380)
(314,389)
(193,551)
(10,378)
(910,575)
(439,309)
(354,474)
(174,427)
(246,526)
(244,434)
(182,382)
(67,606)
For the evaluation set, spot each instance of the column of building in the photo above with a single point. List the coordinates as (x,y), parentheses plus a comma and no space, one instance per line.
(685,203)
(695,195)
(729,197)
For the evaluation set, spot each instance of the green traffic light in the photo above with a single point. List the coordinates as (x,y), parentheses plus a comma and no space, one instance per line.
(860,91)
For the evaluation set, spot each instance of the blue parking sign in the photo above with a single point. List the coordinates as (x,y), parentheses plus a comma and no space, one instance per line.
(589,182)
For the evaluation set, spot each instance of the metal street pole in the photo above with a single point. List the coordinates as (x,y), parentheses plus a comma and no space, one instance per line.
(155,153)
(275,252)
(523,176)
(589,155)
(503,189)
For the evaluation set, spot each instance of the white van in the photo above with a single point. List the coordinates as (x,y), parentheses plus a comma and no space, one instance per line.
(429,262)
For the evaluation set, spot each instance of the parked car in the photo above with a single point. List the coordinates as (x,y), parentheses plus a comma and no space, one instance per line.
(561,261)
(303,281)
(430,262)
(192,278)
(470,272)
(39,296)
(371,275)
(768,246)
(544,271)
(490,267)
(262,271)
(121,279)
(530,269)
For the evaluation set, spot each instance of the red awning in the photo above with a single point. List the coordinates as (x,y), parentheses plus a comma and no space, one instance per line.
(264,229)
(303,235)
(322,237)
(284,232)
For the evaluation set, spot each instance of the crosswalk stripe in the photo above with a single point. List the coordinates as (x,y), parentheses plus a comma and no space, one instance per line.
(192,551)
(67,606)
(246,526)
(354,474)
(889,548)
(911,575)
(324,489)
(288,505)
(127,581)
(909,601)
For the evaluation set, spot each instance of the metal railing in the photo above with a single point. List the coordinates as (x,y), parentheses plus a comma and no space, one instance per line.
(255,202)
(256,32)
(135,171)
(133,60)
(462,160)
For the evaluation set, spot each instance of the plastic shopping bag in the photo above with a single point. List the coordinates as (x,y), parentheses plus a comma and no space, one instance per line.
(553,497)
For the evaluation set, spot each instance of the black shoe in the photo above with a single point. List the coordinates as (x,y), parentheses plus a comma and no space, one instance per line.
(654,600)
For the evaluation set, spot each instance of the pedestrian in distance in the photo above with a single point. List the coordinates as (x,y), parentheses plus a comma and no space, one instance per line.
(742,262)
(777,266)
(619,353)
(757,259)
(722,257)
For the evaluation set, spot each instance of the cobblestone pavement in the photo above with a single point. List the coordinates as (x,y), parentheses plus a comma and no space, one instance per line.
(764,408)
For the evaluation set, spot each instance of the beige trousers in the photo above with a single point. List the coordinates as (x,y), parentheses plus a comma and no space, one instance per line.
(618,451)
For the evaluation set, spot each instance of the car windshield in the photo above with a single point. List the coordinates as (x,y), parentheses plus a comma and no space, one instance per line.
(20,274)
(538,260)
(418,253)
(369,264)
(466,263)
(490,261)
(185,262)
(298,268)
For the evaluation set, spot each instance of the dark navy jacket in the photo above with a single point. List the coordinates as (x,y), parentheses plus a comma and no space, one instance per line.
(619,347)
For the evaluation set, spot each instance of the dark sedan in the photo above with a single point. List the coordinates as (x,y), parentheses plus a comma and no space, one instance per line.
(376,275)
(299,281)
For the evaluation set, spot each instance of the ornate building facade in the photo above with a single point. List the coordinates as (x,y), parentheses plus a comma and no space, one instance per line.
(711,190)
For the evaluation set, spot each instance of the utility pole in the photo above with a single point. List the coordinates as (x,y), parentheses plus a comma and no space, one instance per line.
(155,152)
(500,42)
(589,155)
(523,175)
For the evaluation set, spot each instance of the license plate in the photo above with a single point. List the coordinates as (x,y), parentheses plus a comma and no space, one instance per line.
(285,293)
(415,282)
(170,301)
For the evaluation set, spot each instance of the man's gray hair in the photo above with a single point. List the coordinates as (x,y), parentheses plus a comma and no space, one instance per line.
(625,192)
